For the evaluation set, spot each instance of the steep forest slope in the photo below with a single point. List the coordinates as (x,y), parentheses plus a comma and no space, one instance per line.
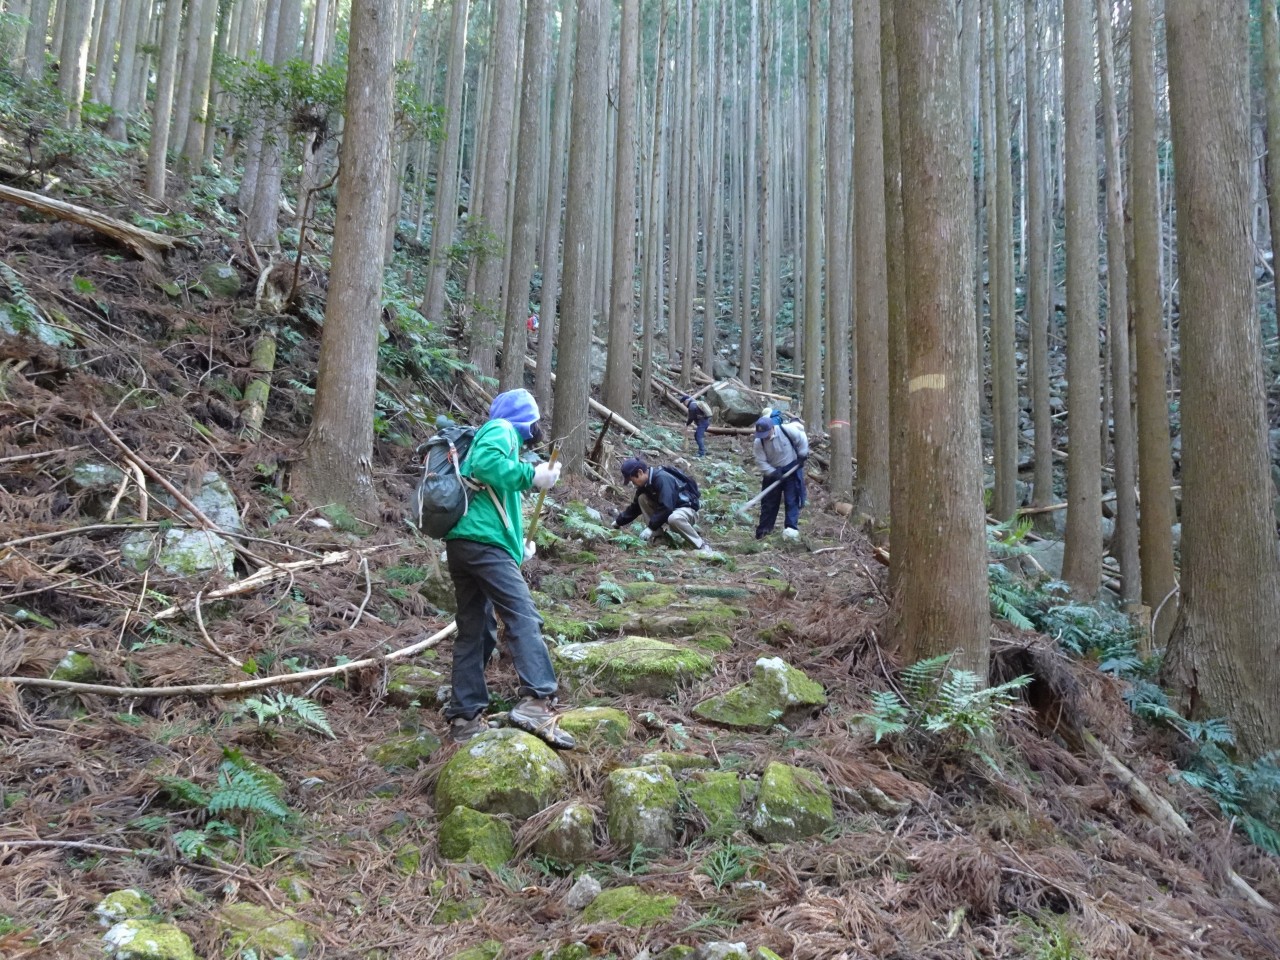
(886,813)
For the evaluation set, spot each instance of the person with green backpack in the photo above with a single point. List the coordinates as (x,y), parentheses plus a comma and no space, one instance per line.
(666,497)
(485,549)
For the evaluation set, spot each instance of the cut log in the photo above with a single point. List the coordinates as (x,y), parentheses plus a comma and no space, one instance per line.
(146,244)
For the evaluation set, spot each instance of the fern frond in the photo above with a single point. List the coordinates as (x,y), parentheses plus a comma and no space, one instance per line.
(240,789)
(921,678)
(183,792)
(309,713)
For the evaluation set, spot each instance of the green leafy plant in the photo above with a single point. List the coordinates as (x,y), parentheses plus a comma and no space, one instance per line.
(284,707)
(949,709)
(577,524)
(729,863)
(1008,539)
(607,593)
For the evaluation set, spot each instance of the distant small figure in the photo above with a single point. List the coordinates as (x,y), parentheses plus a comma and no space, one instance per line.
(780,452)
(699,417)
(532,323)
(666,497)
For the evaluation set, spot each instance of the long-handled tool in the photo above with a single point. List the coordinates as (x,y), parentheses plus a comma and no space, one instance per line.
(542,495)
(765,492)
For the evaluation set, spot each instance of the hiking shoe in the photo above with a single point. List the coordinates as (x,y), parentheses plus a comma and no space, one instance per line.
(461,729)
(537,715)
(705,551)
(791,533)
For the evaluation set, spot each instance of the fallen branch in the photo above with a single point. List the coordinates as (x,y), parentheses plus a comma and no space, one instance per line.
(231,689)
(1161,811)
(35,456)
(150,246)
(267,575)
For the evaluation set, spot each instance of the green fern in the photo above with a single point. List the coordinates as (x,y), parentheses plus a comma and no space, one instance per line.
(183,793)
(888,714)
(584,528)
(608,593)
(246,790)
(287,707)
(1007,539)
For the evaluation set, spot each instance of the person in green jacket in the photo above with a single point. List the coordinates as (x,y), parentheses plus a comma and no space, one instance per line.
(485,550)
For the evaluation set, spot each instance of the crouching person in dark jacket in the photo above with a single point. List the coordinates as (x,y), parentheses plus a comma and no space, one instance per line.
(664,500)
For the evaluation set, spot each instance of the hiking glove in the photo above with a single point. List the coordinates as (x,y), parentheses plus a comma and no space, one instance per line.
(530,550)
(545,476)
(646,533)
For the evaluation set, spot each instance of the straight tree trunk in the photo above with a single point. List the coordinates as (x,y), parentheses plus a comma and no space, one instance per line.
(651,292)
(1082,558)
(74,56)
(156,154)
(264,215)
(122,89)
(588,109)
(943,605)
(900,517)
(813,337)
(1038,274)
(618,392)
(105,54)
(524,220)
(199,124)
(870,280)
(1271,80)
(765,195)
(37,35)
(551,222)
(1004,363)
(190,55)
(491,260)
(444,218)
(747,257)
(1124,544)
(1155,469)
(839,288)
(337,456)
(1223,658)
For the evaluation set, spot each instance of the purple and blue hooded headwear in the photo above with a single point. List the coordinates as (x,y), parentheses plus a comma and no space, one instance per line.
(518,408)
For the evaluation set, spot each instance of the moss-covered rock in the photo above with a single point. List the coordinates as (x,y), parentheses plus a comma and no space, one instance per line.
(267,932)
(568,627)
(502,771)
(640,665)
(221,280)
(570,837)
(792,804)
(673,620)
(776,693)
(676,952)
(128,904)
(559,587)
(678,762)
(722,950)
(489,950)
(590,725)
(410,683)
(629,906)
(641,805)
(474,837)
(715,642)
(405,751)
(717,795)
(714,590)
(75,667)
(408,859)
(438,591)
(147,940)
